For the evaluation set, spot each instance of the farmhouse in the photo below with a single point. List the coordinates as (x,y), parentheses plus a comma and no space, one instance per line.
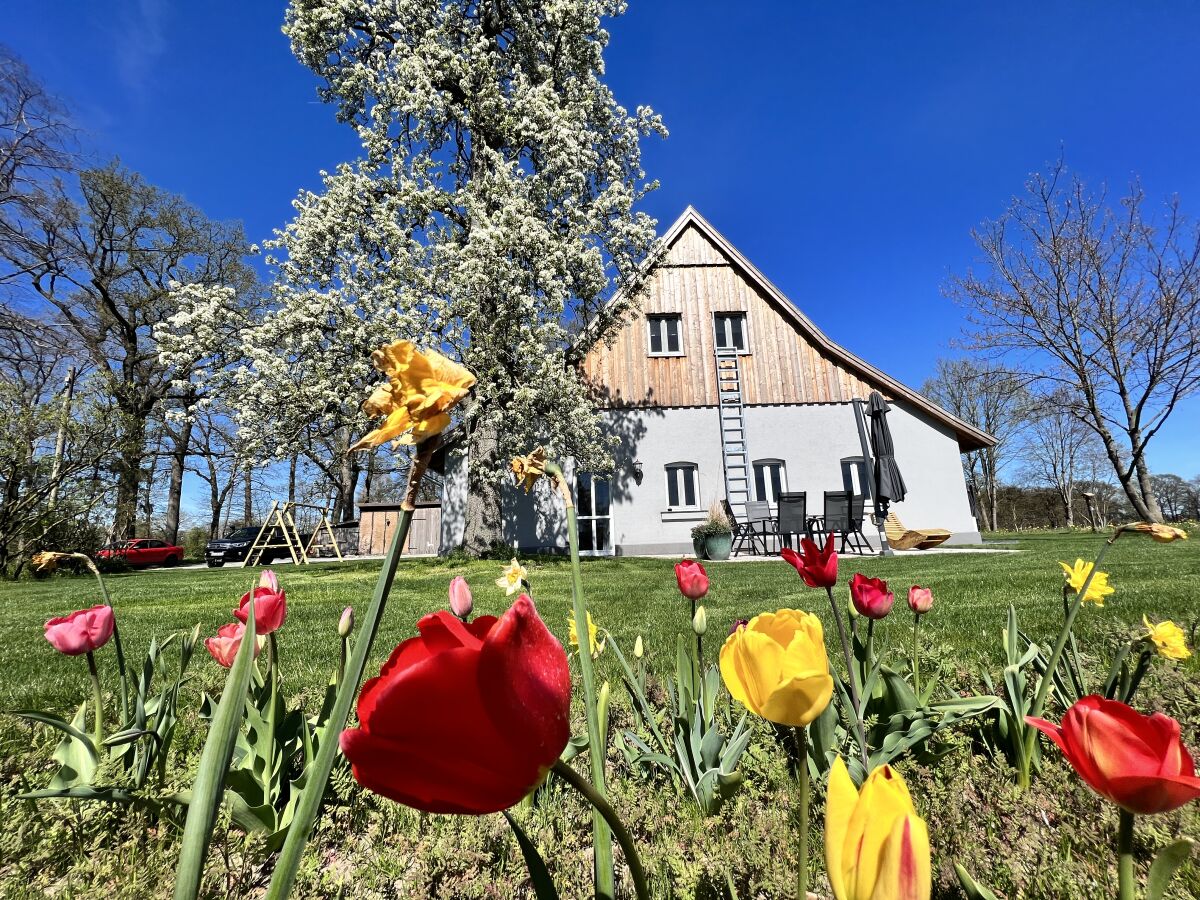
(723,389)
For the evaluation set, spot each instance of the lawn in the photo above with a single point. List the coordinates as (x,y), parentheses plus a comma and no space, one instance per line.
(367,848)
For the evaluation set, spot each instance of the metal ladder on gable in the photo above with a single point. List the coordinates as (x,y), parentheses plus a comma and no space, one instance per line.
(733,432)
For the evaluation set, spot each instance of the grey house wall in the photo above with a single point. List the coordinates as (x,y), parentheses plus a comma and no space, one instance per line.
(810,439)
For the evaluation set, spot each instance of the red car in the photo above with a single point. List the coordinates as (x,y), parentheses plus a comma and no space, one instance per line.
(143,552)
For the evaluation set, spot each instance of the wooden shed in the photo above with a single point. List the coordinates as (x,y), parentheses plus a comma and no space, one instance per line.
(377,523)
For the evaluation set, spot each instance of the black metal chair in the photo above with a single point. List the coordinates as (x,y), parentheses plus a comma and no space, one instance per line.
(742,532)
(793,517)
(844,516)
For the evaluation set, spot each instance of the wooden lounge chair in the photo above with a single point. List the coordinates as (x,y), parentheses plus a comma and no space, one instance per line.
(901,538)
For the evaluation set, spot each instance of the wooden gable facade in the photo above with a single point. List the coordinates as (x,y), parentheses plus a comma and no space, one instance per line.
(698,275)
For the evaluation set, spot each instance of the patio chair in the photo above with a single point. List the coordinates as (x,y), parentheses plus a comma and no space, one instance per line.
(901,538)
(844,516)
(760,522)
(742,532)
(793,516)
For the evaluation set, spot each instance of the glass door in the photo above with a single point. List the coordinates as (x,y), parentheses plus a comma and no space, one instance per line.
(593,512)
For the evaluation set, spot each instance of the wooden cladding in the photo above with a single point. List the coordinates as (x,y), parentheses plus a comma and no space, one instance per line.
(697,280)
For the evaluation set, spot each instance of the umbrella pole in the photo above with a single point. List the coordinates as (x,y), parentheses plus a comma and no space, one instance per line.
(869,479)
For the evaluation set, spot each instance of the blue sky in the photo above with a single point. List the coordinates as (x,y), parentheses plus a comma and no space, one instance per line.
(846,149)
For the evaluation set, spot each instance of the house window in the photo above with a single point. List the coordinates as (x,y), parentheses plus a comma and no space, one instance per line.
(681,485)
(666,335)
(730,330)
(770,479)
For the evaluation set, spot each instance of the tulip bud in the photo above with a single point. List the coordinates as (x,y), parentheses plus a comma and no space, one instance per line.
(346,622)
(920,600)
(852,609)
(603,696)
(461,603)
(700,621)
(637,648)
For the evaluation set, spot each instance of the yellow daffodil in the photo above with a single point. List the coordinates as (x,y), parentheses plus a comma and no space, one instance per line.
(594,647)
(1167,638)
(777,668)
(48,560)
(512,577)
(422,387)
(529,469)
(876,846)
(1076,575)
(1164,534)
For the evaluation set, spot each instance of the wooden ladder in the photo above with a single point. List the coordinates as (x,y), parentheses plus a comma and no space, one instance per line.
(734,454)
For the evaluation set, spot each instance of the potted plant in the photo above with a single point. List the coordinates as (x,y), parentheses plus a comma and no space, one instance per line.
(716,534)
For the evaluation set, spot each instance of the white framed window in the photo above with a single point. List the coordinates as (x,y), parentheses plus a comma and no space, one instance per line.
(729,330)
(682,486)
(665,334)
(770,479)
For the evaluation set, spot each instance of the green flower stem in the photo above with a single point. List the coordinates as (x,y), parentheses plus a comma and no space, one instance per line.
(801,736)
(604,808)
(98,700)
(605,881)
(272,716)
(1125,857)
(309,804)
(916,656)
(116,639)
(1039,702)
(851,676)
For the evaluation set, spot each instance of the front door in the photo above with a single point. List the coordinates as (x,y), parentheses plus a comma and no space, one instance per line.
(594,514)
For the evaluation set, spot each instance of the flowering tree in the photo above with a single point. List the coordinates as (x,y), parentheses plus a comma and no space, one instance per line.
(490,216)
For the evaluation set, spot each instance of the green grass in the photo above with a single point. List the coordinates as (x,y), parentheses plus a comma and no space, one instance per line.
(629,597)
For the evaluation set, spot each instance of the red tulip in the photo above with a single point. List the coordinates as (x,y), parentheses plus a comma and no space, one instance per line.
(817,567)
(1138,762)
(467,717)
(81,632)
(270,605)
(693,580)
(224,646)
(871,596)
(920,600)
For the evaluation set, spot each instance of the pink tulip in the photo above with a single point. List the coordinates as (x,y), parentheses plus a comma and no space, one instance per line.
(461,603)
(871,596)
(920,600)
(270,605)
(692,579)
(81,632)
(224,646)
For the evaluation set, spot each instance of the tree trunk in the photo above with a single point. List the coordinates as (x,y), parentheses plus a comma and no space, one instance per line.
(484,518)
(60,442)
(129,479)
(248,497)
(347,484)
(179,451)
(1153,512)
(292,479)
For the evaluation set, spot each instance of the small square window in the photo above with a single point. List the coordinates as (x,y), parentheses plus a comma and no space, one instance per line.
(730,331)
(666,335)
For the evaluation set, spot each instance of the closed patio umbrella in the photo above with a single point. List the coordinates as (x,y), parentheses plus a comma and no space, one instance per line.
(889,483)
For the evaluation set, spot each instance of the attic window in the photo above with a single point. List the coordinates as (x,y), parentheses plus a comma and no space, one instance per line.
(666,335)
(730,331)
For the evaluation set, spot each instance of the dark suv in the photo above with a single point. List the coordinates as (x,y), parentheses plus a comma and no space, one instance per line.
(235,545)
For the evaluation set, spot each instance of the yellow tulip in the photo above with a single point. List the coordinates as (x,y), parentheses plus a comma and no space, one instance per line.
(422,387)
(512,577)
(777,668)
(529,469)
(1167,638)
(1077,574)
(876,846)
(594,647)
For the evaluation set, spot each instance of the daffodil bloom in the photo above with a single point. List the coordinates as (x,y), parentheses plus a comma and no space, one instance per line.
(48,560)
(422,387)
(1076,575)
(1164,534)
(876,846)
(1167,638)
(594,647)
(529,469)
(512,578)
(777,668)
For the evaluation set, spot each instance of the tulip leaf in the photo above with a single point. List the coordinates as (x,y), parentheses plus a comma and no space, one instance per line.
(73,730)
(539,875)
(1169,858)
(972,888)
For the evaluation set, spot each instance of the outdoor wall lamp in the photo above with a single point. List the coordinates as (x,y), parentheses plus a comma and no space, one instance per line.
(636,468)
